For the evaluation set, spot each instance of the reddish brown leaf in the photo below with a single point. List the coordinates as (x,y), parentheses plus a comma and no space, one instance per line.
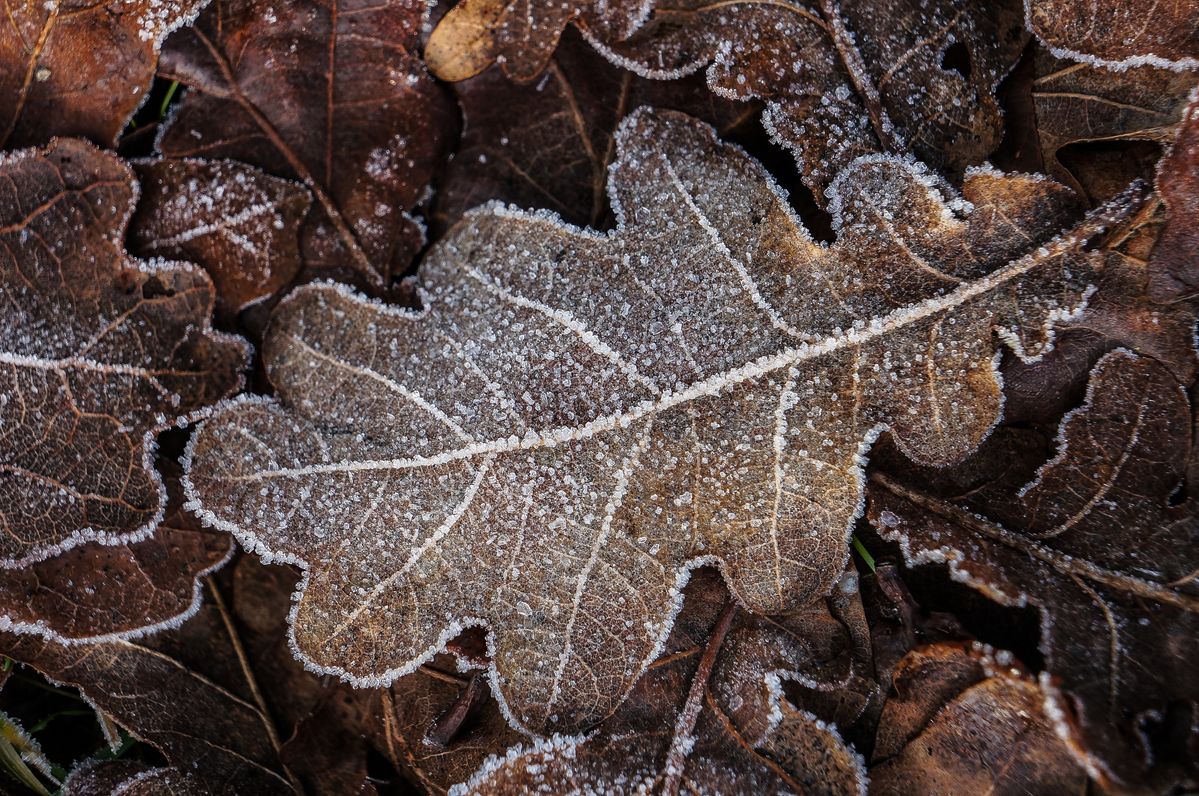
(100,592)
(1097,544)
(1118,33)
(961,720)
(332,94)
(79,67)
(1174,264)
(242,225)
(98,352)
(1079,105)
(129,778)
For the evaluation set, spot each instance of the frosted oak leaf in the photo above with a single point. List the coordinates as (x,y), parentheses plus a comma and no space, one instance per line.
(577,419)
(98,352)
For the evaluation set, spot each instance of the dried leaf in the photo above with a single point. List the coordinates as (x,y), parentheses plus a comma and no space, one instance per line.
(578,419)
(964,720)
(838,83)
(181,691)
(80,67)
(1174,263)
(1118,34)
(364,132)
(549,144)
(101,592)
(1096,544)
(242,225)
(709,717)
(1083,104)
(98,353)
(418,704)
(128,778)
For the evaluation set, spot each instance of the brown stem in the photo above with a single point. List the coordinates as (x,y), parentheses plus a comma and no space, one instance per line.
(449,724)
(676,758)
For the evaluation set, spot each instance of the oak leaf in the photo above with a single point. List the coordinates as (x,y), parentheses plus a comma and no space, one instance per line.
(98,352)
(1118,34)
(710,717)
(965,719)
(1080,105)
(80,67)
(577,419)
(364,132)
(1095,542)
(98,592)
(838,82)
(242,225)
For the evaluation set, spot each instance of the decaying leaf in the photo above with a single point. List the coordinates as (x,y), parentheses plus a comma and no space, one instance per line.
(440,724)
(1174,263)
(98,592)
(577,419)
(1080,104)
(364,132)
(129,778)
(549,144)
(181,691)
(1118,34)
(98,352)
(709,717)
(965,720)
(80,67)
(242,225)
(1097,543)
(839,82)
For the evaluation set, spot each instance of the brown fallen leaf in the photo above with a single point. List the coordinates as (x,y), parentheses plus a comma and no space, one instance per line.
(1079,104)
(183,691)
(529,456)
(98,352)
(129,778)
(242,225)
(838,82)
(709,717)
(1097,543)
(1118,33)
(966,720)
(549,144)
(98,592)
(80,67)
(436,729)
(1174,262)
(364,132)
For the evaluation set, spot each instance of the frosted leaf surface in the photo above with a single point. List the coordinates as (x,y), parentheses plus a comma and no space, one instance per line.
(97,352)
(364,132)
(242,225)
(80,67)
(710,717)
(1118,34)
(1174,262)
(576,419)
(838,82)
(1102,545)
(97,592)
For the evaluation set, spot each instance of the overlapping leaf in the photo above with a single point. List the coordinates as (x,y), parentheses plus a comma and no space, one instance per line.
(97,353)
(1118,33)
(961,721)
(80,67)
(529,456)
(839,81)
(364,132)
(1098,544)
(710,716)
(242,225)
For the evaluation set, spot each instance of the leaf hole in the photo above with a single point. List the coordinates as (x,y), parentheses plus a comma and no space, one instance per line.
(957,59)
